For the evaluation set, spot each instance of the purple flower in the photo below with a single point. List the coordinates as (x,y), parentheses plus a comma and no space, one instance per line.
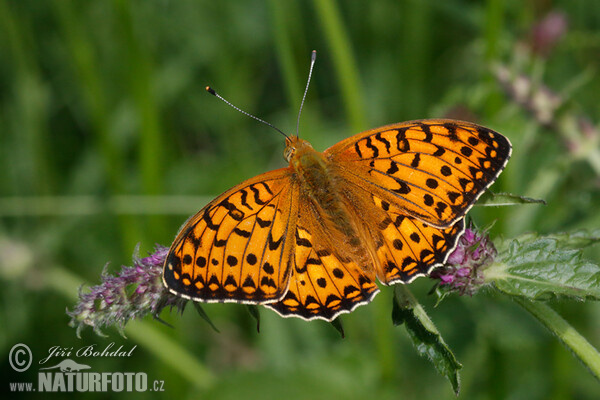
(462,272)
(135,292)
(548,32)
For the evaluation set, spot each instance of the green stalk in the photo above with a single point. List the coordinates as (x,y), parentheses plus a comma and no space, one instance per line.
(140,80)
(83,58)
(285,54)
(384,339)
(345,67)
(26,123)
(577,344)
(406,299)
(493,23)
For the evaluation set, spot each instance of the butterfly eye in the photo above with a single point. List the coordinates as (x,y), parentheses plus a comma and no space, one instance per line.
(288,153)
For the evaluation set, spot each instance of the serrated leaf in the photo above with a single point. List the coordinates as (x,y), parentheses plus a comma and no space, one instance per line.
(545,267)
(489,199)
(566,240)
(424,335)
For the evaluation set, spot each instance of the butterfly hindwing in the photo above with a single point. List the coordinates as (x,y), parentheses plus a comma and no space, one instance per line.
(433,170)
(237,247)
(409,248)
(401,246)
(323,284)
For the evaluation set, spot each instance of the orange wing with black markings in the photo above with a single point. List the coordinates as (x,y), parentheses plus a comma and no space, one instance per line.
(410,248)
(324,283)
(237,248)
(310,240)
(434,170)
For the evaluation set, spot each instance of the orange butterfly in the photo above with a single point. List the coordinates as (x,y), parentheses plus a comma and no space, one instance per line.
(310,239)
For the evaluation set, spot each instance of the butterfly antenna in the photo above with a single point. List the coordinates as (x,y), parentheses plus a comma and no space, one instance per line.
(313,58)
(218,96)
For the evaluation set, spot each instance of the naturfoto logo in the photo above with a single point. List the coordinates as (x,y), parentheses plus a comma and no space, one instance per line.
(68,375)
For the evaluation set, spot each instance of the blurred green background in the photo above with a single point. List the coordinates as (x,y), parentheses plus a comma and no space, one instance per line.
(103,113)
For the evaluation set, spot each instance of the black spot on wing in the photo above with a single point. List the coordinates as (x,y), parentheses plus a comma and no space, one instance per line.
(256,194)
(267,188)
(302,241)
(234,212)
(428,134)
(373,148)
(439,152)
(383,140)
(416,160)
(242,232)
(245,199)
(392,169)
(263,223)
(249,282)
(451,132)
(274,244)
(201,262)
(230,280)
(209,224)
(357,149)
(403,144)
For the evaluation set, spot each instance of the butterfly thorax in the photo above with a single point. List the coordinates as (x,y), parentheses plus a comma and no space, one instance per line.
(311,171)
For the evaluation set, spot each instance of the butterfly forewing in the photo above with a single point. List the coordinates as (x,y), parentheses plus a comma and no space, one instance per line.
(238,247)
(433,170)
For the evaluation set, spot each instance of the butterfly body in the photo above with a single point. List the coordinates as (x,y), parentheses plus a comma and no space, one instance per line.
(322,191)
(309,240)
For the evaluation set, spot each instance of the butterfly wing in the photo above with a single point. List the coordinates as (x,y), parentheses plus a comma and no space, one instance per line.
(401,247)
(326,278)
(237,248)
(409,248)
(434,170)
(324,283)
(406,186)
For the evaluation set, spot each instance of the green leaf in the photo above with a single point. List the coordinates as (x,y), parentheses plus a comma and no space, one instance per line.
(489,199)
(567,240)
(546,267)
(440,292)
(424,335)
(337,324)
(204,315)
(253,310)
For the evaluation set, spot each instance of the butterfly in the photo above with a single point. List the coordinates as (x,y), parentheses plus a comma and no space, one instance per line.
(310,240)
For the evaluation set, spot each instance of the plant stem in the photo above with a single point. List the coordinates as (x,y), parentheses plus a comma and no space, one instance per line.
(404,297)
(578,345)
(343,61)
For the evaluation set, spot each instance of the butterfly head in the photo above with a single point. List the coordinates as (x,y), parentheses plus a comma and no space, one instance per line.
(295,148)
